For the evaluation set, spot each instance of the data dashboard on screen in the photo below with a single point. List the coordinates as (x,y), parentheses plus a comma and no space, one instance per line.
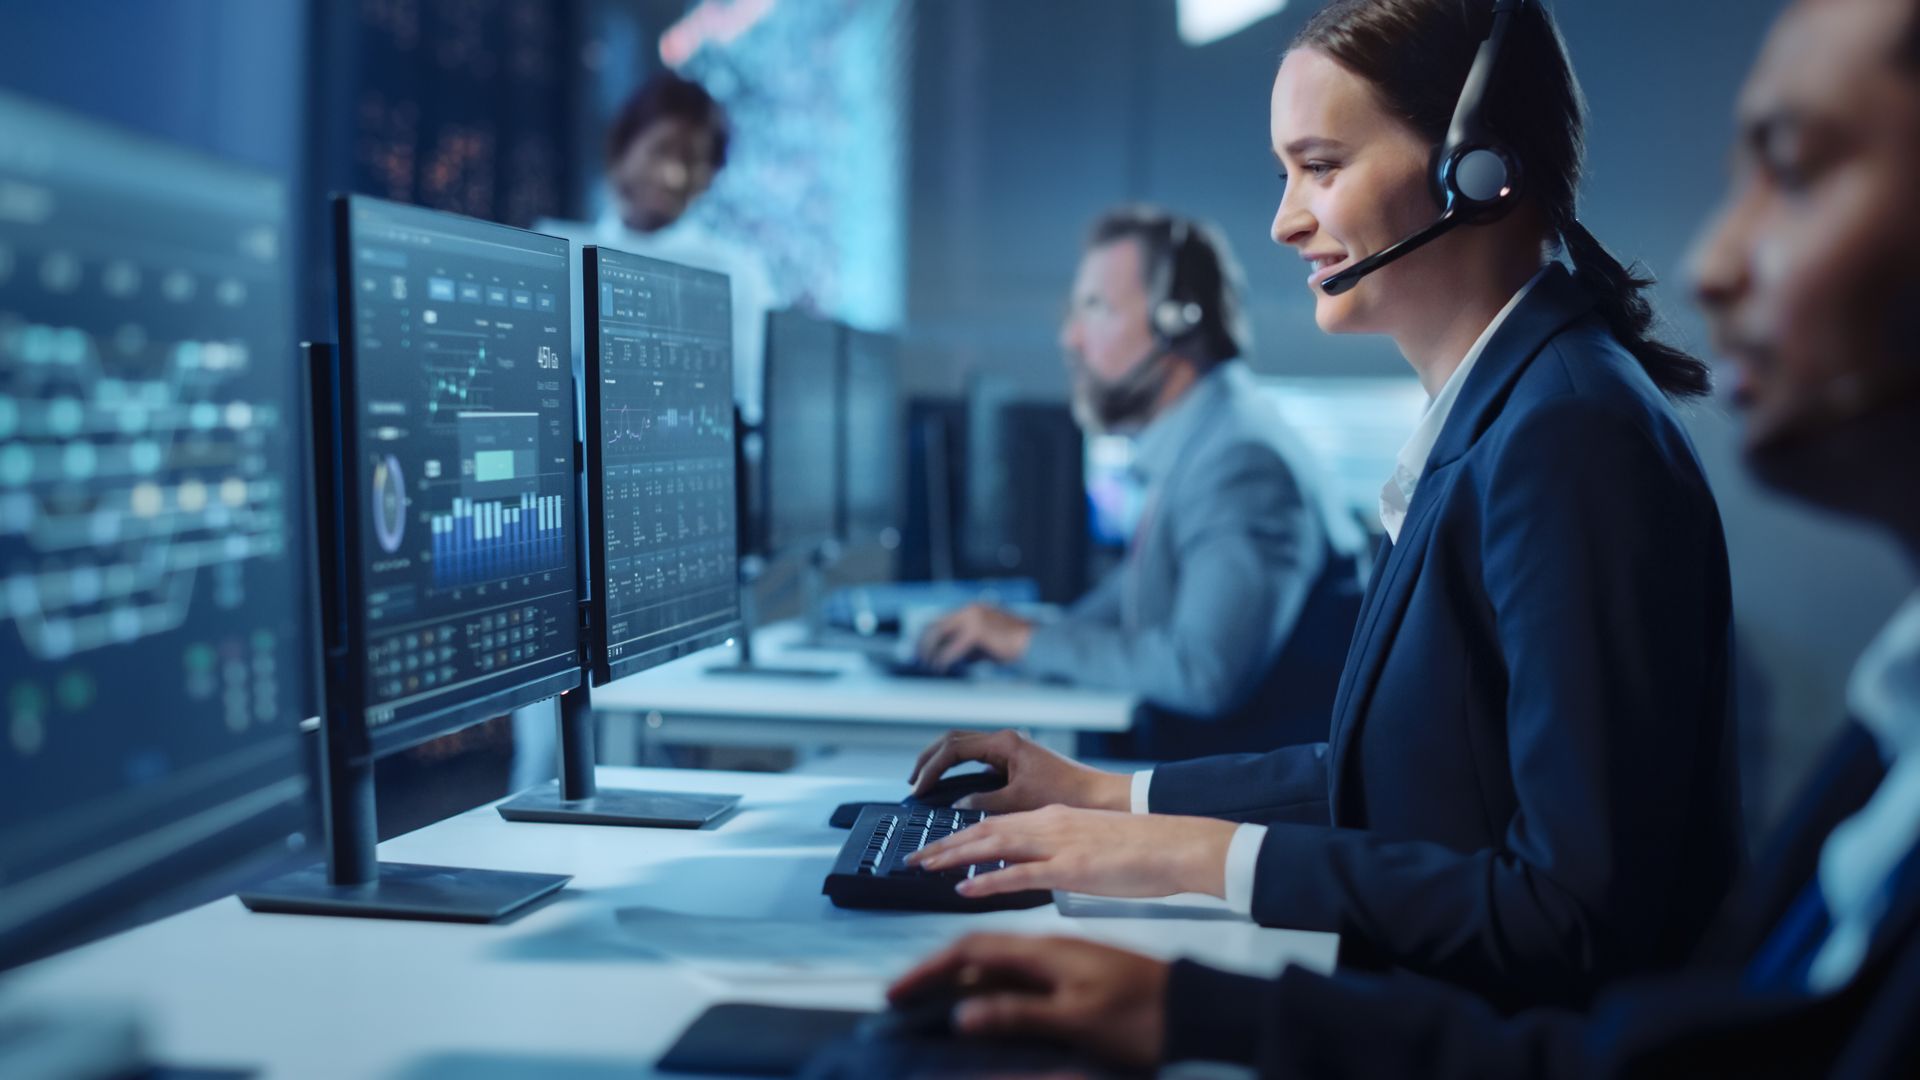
(464,496)
(660,409)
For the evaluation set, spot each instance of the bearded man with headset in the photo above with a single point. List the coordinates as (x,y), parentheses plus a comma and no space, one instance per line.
(1231,613)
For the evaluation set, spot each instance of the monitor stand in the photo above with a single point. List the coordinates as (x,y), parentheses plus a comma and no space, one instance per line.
(353,882)
(576,798)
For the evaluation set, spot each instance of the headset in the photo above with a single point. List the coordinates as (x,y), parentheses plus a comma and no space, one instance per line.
(1177,314)
(1476,179)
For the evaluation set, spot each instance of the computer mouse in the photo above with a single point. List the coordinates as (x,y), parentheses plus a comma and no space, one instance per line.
(923,1016)
(951,789)
(916,668)
(944,793)
(846,814)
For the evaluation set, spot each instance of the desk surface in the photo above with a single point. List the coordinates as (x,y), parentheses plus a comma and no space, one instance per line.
(860,693)
(655,926)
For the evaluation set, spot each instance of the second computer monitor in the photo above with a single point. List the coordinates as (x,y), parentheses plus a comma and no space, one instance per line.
(799,461)
(458,561)
(872,440)
(660,461)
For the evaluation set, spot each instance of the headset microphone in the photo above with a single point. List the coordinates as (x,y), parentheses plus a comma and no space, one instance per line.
(1476,179)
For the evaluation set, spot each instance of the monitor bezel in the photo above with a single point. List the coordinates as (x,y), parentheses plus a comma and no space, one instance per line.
(347,719)
(603,669)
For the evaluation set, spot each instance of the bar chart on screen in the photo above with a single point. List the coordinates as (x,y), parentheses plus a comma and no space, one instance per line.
(476,542)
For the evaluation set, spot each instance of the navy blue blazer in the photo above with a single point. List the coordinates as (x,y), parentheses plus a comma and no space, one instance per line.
(1699,1022)
(1529,786)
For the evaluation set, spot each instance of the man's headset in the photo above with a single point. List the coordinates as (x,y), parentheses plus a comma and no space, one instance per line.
(1476,179)
(1178,311)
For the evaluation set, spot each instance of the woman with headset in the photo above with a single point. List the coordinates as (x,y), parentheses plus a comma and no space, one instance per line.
(1528,785)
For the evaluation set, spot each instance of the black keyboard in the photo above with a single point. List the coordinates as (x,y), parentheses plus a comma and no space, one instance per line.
(872,870)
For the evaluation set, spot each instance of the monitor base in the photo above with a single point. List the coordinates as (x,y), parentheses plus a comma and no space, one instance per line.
(646,809)
(762,671)
(407,891)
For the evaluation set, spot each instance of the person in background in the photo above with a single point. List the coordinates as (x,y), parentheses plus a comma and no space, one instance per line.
(1811,277)
(664,148)
(1231,612)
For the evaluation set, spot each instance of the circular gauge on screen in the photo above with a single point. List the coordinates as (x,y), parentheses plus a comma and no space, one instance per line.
(389,504)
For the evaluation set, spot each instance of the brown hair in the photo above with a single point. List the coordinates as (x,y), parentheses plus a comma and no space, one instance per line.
(1416,54)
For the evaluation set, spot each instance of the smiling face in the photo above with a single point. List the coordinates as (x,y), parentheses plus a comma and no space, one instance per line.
(1811,271)
(1356,183)
(662,171)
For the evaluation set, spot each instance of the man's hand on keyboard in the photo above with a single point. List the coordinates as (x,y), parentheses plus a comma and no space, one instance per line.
(1103,852)
(1036,776)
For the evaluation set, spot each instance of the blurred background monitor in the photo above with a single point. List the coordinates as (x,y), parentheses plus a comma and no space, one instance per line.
(873,438)
(157,641)
(798,460)
(1115,496)
(1354,426)
(986,537)
(1025,505)
(660,461)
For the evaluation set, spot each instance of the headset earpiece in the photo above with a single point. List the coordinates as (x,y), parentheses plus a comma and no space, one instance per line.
(1176,314)
(1174,319)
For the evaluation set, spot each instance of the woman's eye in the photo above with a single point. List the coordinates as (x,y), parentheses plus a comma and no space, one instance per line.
(1320,169)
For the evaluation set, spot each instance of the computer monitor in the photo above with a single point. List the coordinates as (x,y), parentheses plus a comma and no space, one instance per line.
(660,465)
(873,440)
(157,631)
(799,473)
(989,547)
(452,518)
(662,579)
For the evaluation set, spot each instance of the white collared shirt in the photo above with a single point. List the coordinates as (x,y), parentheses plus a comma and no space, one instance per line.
(1243,851)
(1884,696)
(1396,496)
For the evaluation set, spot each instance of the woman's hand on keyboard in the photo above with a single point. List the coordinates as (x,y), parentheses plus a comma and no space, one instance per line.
(1036,776)
(1102,852)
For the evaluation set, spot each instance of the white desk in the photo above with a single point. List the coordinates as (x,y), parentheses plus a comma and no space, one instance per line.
(861,704)
(655,926)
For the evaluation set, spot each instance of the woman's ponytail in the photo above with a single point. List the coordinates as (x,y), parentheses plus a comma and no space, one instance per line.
(1617,291)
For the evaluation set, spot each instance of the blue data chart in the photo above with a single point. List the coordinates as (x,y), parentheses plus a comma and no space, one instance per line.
(479,542)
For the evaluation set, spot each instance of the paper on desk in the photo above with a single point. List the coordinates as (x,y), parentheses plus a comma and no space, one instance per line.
(863,946)
(1179,906)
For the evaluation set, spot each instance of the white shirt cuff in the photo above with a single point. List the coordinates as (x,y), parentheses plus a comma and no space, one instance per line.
(1142,780)
(1243,859)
